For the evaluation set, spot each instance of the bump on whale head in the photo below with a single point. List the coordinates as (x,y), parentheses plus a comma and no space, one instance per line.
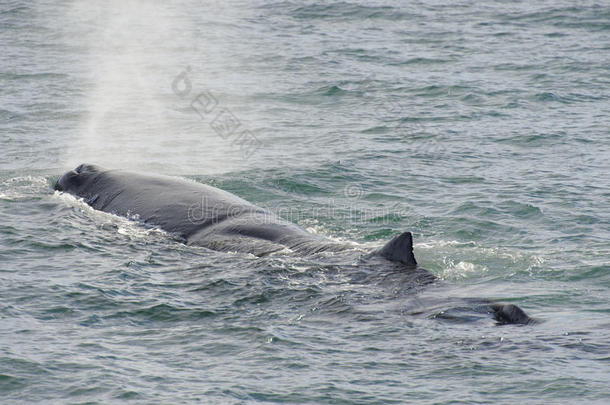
(75,179)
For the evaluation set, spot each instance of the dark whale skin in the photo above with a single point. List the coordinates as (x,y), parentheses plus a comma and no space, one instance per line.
(202,215)
(199,214)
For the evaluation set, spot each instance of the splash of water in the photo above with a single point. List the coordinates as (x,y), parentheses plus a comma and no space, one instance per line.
(125,42)
(132,52)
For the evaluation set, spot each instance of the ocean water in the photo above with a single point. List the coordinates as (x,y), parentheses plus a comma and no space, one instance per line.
(482,127)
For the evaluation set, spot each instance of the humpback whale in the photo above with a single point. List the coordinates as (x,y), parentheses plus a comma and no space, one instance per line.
(202,215)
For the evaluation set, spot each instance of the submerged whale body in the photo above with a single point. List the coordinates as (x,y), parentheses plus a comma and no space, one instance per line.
(202,215)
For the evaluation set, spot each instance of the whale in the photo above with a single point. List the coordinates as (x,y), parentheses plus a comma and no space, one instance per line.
(205,216)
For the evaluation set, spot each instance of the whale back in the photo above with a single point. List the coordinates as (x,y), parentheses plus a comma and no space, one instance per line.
(200,214)
(176,205)
(204,215)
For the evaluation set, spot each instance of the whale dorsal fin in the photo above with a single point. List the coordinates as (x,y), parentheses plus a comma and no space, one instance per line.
(400,249)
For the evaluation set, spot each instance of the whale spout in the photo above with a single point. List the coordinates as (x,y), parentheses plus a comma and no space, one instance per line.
(400,249)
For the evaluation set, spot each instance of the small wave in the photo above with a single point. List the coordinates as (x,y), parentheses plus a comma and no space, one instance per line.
(332,91)
(548,96)
(553,139)
(23,187)
(343,10)
(376,130)
(8,115)
(10,383)
(590,273)
(421,61)
(519,209)
(25,76)
(334,305)
(14,10)
(297,186)
(165,312)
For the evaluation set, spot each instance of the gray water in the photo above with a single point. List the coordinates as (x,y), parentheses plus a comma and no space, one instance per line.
(482,127)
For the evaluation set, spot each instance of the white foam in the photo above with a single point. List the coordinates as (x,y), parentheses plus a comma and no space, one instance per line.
(124,226)
(23,187)
(461,269)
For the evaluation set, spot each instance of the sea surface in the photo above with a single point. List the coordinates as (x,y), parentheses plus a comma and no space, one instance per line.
(480,126)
